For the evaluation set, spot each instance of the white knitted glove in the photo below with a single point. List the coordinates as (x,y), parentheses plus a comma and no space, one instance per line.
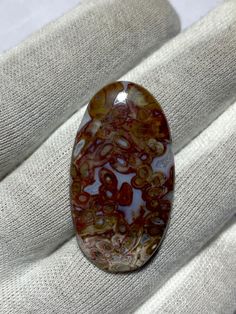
(54,73)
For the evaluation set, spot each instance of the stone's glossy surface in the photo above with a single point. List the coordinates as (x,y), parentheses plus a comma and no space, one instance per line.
(122,175)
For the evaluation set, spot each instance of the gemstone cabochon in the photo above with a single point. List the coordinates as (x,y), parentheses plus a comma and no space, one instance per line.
(122,178)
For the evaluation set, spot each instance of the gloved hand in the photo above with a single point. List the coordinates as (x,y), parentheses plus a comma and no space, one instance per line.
(43,83)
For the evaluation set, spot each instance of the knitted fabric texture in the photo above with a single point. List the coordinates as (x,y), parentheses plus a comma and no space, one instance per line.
(45,85)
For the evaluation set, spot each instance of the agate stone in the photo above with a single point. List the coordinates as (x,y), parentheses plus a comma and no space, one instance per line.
(122,178)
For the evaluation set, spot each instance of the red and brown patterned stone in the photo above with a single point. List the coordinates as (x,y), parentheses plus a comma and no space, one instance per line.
(122,178)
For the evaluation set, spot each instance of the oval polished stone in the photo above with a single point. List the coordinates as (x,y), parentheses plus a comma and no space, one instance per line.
(122,178)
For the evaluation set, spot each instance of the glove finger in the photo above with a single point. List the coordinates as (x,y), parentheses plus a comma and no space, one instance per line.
(47,78)
(213,272)
(194,75)
(66,282)
(35,204)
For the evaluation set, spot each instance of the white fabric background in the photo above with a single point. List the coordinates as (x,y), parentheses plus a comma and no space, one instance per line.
(205,285)
(44,84)
(20,18)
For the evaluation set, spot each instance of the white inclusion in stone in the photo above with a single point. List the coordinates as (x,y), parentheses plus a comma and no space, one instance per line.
(121,98)
(109,194)
(123,143)
(164,162)
(121,161)
(78,147)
